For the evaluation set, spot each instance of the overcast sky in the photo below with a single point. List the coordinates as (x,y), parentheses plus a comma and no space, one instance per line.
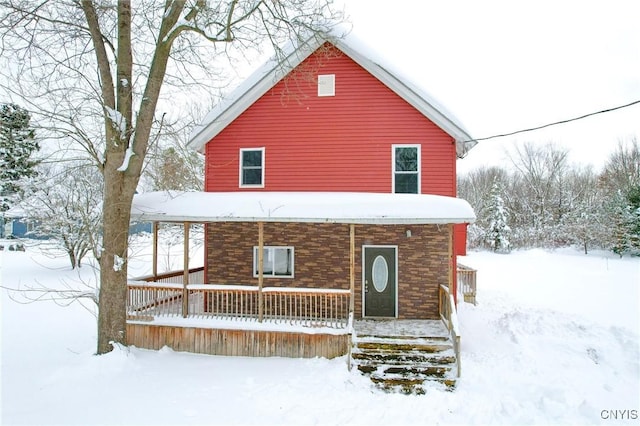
(502,66)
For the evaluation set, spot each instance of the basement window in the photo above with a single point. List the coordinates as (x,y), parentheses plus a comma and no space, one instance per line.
(327,85)
(277,261)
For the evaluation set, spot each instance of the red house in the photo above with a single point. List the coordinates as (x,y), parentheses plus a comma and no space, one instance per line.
(338,121)
(327,122)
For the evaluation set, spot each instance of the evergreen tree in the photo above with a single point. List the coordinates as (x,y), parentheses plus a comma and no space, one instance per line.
(498,231)
(17,145)
(625,226)
(634,221)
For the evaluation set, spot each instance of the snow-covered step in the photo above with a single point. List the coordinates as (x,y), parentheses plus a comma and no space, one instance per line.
(427,346)
(417,369)
(406,364)
(410,385)
(403,357)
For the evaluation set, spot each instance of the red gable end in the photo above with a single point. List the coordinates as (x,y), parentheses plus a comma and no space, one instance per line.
(343,141)
(331,143)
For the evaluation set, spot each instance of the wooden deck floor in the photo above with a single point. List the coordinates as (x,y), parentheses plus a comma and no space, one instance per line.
(393,327)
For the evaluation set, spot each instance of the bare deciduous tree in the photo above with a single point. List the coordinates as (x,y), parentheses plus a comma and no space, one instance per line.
(95,71)
(174,166)
(65,202)
(541,179)
(622,169)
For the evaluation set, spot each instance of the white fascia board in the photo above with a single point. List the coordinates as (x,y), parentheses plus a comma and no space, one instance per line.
(159,217)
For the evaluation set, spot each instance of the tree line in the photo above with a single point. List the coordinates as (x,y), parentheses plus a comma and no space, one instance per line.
(540,199)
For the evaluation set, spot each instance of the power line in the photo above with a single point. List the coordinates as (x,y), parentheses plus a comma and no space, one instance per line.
(555,123)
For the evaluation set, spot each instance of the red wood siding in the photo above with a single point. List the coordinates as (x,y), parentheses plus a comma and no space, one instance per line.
(460,239)
(338,143)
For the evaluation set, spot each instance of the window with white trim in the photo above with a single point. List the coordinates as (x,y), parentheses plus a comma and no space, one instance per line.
(277,261)
(406,169)
(252,167)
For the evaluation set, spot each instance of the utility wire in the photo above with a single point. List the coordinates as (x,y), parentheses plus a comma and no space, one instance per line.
(554,123)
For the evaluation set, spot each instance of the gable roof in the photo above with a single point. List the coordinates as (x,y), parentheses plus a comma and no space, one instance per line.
(267,76)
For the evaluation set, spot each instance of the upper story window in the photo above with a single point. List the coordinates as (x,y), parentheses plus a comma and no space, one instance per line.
(406,169)
(252,168)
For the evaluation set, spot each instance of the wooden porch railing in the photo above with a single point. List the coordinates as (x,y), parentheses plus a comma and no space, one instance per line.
(450,319)
(196,275)
(467,283)
(307,307)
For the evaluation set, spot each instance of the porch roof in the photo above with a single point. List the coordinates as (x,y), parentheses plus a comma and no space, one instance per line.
(309,207)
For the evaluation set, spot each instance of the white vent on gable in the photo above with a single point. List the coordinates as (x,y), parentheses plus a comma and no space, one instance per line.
(327,85)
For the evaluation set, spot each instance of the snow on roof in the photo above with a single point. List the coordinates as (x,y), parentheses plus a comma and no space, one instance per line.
(310,207)
(268,75)
(15,212)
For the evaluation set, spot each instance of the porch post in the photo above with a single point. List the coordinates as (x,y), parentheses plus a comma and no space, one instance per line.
(352,268)
(154,260)
(185,276)
(260,269)
(452,286)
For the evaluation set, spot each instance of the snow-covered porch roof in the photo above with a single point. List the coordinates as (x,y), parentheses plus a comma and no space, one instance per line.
(307,207)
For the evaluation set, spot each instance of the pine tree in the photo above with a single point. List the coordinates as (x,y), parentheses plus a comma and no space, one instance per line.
(498,231)
(626,222)
(17,145)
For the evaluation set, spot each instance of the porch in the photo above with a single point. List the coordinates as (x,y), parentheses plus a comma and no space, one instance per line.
(237,320)
(241,320)
(286,274)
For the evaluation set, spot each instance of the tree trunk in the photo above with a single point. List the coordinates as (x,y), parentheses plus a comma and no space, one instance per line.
(119,187)
(113,268)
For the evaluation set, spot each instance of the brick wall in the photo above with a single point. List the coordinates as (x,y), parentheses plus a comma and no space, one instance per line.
(322,258)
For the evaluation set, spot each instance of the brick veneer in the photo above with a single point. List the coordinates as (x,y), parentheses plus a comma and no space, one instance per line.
(322,258)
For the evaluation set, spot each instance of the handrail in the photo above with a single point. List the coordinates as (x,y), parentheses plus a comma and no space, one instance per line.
(351,332)
(450,319)
(171,274)
(310,307)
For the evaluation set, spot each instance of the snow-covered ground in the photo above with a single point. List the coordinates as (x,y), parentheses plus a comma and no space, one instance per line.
(553,339)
